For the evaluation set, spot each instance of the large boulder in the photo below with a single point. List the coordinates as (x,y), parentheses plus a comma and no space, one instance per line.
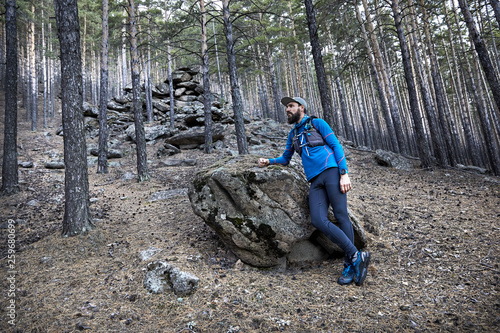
(195,137)
(151,132)
(261,214)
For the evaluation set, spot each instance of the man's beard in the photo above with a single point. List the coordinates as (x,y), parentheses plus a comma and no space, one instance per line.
(295,117)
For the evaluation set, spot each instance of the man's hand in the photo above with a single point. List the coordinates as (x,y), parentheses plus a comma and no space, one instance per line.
(345,183)
(263,162)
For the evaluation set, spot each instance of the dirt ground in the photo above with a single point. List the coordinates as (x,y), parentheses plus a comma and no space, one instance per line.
(433,235)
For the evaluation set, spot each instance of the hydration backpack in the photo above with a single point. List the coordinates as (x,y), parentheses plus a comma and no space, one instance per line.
(313,137)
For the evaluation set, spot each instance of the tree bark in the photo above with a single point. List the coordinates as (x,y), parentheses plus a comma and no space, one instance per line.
(77,218)
(207,96)
(102,159)
(324,91)
(235,88)
(34,78)
(10,180)
(482,53)
(496,9)
(394,138)
(140,137)
(423,147)
(434,128)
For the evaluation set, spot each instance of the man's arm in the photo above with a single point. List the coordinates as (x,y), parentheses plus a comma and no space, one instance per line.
(283,159)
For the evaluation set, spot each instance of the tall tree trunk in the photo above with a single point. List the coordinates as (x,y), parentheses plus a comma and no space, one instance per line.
(102,159)
(298,82)
(482,53)
(280,115)
(124,53)
(423,147)
(496,9)
(44,75)
(140,138)
(10,180)
(34,78)
(383,70)
(439,91)
(221,87)
(77,218)
(434,128)
(207,96)
(378,82)
(235,88)
(171,89)
(324,91)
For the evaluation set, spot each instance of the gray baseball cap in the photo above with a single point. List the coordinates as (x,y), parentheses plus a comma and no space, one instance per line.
(300,100)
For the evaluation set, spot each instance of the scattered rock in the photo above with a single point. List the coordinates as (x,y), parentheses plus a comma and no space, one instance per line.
(28,164)
(175,162)
(167,150)
(33,203)
(162,276)
(164,195)
(54,165)
(149,253)
(390,159)
(472,168)
(112,153)
(195,136)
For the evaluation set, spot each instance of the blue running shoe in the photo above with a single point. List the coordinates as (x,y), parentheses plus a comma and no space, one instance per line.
(361,267)
(347,275)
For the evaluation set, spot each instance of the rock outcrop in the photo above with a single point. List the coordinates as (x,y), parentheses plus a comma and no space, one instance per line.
(262,214)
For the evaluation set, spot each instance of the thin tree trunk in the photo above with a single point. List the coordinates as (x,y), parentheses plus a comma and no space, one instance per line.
(235,88)
(207,96)
(280,115)
(10,180)
(77,218)
(439,91)
(140,139)
(102,159)
(380,89)
(34,79)
(482,53)
(221,87)
(423,148)
(434,128)
(496,9)
(44,75)
(383,70)
(326,99)
(171,89)
(298,82)
(124,53)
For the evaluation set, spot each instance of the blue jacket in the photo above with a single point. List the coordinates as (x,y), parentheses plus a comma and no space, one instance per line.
(315,160)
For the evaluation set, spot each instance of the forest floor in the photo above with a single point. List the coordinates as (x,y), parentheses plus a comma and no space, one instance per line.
(434,238)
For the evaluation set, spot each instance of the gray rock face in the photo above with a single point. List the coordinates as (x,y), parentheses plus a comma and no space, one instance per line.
(390,159)
(195,136)
(162,276)
(261,214)
(151,132)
